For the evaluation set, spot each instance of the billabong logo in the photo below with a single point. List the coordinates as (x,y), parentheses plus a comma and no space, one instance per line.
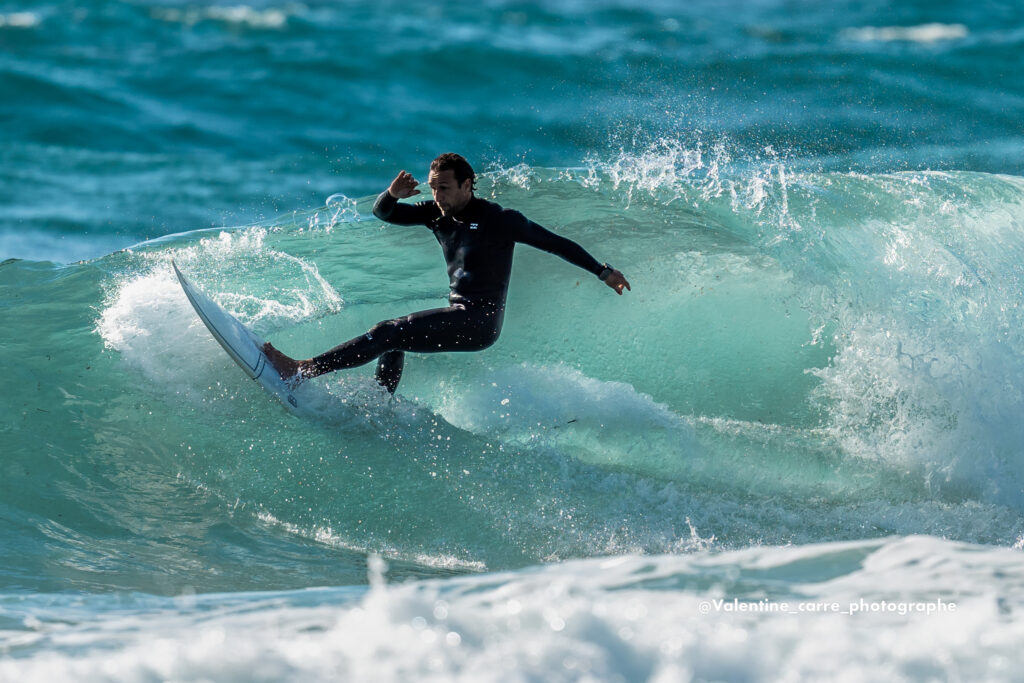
(474,226)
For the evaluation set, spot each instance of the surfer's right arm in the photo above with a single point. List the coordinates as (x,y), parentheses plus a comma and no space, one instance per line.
(388,209)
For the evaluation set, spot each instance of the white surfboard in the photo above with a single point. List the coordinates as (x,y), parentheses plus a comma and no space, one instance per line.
(243,345)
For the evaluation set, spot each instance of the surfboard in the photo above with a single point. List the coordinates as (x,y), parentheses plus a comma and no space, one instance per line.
(243,345)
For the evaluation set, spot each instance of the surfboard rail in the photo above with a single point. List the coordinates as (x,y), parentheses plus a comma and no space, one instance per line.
(241,344)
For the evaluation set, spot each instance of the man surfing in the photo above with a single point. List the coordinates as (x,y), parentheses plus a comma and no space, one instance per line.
(477,238)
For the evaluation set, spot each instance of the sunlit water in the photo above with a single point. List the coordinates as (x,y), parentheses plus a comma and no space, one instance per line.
(794,450)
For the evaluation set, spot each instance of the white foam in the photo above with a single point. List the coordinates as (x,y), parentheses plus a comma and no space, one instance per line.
(335,538)
(928,370)
(148,320)
(924,33)
(898,609)
(20,20)
(150,323)
(241,15)
(599,422)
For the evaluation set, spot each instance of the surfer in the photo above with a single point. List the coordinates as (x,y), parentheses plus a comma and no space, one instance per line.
(477,238)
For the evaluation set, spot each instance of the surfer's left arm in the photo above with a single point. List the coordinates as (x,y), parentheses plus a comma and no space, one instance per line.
(540,237)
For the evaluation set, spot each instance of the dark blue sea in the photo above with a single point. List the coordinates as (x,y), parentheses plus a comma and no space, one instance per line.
(794,451)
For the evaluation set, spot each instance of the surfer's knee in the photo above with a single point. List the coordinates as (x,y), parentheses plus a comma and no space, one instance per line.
(482,340)
(384,332)
(489,341)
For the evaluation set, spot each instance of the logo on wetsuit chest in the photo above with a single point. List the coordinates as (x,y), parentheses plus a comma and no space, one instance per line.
(474,226)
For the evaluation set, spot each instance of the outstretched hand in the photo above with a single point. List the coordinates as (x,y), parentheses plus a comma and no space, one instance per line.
(617,281)
(404,185)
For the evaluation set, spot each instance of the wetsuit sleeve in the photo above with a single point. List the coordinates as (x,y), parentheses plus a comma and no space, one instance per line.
(389,210)
(528,232)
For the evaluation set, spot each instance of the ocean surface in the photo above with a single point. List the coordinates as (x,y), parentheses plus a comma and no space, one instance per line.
(794,451)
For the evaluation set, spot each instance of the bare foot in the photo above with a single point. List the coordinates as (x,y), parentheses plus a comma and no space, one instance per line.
(289,368)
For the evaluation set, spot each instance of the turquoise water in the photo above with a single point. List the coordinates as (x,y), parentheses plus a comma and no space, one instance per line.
(793,450)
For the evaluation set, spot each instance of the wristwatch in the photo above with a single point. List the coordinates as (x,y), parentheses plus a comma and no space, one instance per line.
(608,270)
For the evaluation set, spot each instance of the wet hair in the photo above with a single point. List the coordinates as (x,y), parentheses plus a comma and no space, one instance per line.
(456,163)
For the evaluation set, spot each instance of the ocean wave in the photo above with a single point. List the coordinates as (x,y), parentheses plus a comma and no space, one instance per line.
(20,20)
(923,33)
(803,356)
(702,616)
(847,304)
(238,15)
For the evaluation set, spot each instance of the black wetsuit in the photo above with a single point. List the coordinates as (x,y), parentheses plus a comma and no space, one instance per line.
(478,245)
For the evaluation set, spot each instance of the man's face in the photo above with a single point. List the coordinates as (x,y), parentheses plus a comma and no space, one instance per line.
(449,196)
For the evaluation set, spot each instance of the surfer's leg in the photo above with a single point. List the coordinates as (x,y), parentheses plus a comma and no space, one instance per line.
(455,328)
(286,366)
(389,370)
